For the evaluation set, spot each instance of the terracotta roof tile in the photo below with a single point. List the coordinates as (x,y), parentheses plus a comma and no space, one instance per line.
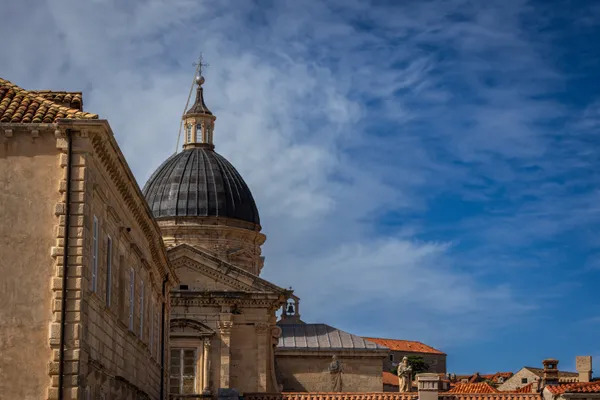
(580,387)
(68,99)
(473,388)
(527,388)
(19,105)
(490,396)
(404,345)
(390,379)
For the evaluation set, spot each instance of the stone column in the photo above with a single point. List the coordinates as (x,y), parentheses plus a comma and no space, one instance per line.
(428,385)
(262,356)
(206,367)
(225,331)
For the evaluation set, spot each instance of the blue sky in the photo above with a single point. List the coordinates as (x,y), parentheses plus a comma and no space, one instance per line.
(424,170)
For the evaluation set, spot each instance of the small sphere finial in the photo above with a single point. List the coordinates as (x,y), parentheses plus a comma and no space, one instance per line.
(199,79)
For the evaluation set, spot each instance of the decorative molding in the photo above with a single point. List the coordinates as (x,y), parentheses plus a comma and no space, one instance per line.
(225,327)
(212,301)
(261,328)
(183,323)
(211,273)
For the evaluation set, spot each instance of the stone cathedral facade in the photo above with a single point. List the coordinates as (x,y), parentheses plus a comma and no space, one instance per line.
(110,291)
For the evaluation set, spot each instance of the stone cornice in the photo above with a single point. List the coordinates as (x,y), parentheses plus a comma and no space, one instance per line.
(225,298)
(109,154)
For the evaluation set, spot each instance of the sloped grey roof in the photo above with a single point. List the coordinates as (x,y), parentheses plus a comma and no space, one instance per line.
(321,337)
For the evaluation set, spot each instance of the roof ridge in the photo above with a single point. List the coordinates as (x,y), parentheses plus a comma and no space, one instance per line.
(49,104)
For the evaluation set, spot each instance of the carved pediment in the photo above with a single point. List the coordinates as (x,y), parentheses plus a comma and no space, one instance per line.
(216,270)
(189,328)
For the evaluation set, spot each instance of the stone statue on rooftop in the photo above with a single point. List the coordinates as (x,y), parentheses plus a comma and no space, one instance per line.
(335,370)
(404,376)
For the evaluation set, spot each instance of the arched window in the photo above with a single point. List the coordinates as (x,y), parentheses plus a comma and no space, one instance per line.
(209,133)
(189,133)
(199,136)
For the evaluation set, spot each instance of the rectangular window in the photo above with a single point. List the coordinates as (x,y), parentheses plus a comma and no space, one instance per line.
(142,310)
(158,327)
(95,255)
(151,312)
(131,297)
(523,380)
(183,371)
(108,270)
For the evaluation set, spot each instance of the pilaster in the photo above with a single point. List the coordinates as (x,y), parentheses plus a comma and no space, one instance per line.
(75,279)
(262,354)
(225,327)
(206,367)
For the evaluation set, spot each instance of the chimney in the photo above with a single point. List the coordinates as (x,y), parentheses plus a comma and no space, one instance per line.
(550,376)
(429,386)
(584,368)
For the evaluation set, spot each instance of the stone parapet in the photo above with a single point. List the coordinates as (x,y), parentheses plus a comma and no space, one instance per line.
(330,396)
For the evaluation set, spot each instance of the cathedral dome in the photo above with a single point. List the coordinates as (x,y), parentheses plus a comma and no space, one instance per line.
(199,182)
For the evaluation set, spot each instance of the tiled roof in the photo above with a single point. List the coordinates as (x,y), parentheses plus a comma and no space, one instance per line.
(19,105)
(473,388)
(496,377)
(527,388)
(580,387)
(476,377)
(68,99)
(404,345)
(321,337)
(561,374)
(490,396)
(390,379)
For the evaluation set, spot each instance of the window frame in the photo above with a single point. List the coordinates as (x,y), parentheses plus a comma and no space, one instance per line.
(141,310)
(182,366)
(94,254)
(131,298)
(151,338)
(109,254)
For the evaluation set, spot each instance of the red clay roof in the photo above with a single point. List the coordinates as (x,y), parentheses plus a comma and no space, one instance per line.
(473,388)
(390,379)
(526,389)
(490,396)
(404,345)
(580,387)
(21,106)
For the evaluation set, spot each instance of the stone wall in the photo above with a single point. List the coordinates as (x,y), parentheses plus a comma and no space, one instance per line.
(518,380)
(122,305)
(29,182)
(101,354)
(308,372)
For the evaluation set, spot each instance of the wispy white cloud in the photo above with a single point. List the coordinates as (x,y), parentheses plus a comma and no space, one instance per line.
(337,113)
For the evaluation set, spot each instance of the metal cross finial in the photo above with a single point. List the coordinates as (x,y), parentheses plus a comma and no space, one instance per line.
(200,64)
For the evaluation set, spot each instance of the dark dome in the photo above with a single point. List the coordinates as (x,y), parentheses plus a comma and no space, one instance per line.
(198,182)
